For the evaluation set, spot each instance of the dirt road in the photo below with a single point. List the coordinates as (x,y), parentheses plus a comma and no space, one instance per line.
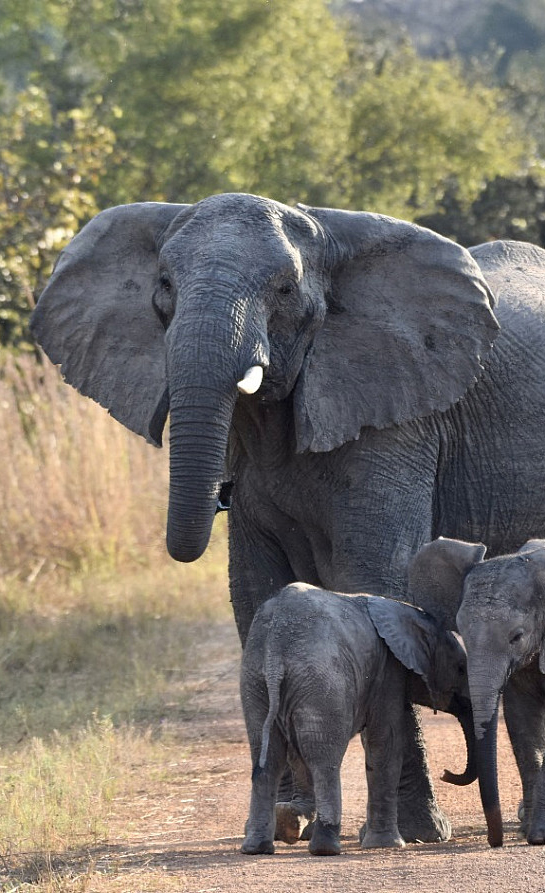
(184,834)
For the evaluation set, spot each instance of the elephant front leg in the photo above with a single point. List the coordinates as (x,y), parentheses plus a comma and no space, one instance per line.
(418,815)
(382,740)
(524,711)
(389,509)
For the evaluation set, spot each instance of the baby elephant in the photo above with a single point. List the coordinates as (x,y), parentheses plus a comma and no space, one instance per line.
(499,608)
(319,667)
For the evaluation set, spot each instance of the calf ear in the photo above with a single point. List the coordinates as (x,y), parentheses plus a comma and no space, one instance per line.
(437,574)
(536,548)
(409,633)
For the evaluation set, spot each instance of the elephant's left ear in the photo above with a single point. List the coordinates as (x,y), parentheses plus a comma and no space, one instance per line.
(410,634)
(410,322)
(95,317)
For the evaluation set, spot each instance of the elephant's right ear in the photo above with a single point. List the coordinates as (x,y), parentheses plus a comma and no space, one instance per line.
(410,322)
(96,320)
(437,573)
(410,634)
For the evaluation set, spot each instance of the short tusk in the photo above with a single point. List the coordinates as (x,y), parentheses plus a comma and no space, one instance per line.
(251,381)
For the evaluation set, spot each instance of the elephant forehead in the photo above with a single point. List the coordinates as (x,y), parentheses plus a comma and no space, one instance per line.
(492,608)
(251,226)
(499,584)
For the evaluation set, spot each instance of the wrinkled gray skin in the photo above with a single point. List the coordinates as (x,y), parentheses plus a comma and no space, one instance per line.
(368,436)
(500,605)
(318,668)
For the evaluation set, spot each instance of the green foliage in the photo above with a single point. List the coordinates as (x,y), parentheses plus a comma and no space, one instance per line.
(50,166)
(237,96)
(419,129)
(507,208)
(113,101)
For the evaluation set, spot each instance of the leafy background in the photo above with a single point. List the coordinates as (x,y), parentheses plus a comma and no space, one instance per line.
(424,110)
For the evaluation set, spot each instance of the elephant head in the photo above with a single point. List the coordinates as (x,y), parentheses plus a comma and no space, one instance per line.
(499,608)
(359,319)
(437,659)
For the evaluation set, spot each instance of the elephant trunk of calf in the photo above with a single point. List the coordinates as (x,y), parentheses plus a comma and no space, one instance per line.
(461,709)
(486,748)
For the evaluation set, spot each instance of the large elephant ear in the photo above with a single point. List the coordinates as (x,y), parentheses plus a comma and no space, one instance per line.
(95,317)
(437,573)
(410,323)
(409,633)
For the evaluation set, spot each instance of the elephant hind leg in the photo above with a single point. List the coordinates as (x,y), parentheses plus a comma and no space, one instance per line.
(296,813)
(325,840)
(260,827)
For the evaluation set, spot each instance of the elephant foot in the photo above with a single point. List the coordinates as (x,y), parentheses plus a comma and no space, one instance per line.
(325,840)
(257,846)
(536,838)
(536,833)
(291,820)
(429,825)
(370,839)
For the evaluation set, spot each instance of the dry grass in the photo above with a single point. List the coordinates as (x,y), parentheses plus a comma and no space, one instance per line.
(95,622)
(77,489)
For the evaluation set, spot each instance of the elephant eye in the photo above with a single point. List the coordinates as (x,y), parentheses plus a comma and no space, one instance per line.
(516,636)
(164,280)
(287,287)
(164,314)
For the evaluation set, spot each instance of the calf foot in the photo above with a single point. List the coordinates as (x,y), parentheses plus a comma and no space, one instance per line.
(325,840)
(291,820)
(257,846)
(370,839)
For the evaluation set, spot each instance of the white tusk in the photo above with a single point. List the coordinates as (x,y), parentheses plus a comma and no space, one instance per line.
(251,381)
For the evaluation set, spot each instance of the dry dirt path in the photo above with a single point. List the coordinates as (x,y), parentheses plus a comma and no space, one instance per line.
(184,833)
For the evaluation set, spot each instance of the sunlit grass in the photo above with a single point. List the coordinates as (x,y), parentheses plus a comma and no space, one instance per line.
(96,623)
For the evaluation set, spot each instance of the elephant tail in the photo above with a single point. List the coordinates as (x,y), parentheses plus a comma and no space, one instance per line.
(274,673)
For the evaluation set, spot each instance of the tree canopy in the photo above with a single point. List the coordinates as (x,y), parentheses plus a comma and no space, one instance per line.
(113,101)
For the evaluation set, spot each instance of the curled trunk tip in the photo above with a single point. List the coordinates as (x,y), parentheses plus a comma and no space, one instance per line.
(461,779)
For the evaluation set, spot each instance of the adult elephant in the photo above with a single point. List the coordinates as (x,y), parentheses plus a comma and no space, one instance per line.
(383,418)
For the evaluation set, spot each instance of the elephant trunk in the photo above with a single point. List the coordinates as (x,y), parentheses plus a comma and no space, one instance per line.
(210,352)
(198,444)
(488,781)
(461,708)
(485,691)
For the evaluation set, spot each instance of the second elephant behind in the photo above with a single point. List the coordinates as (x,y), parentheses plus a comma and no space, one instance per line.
(318,668)
(498,606)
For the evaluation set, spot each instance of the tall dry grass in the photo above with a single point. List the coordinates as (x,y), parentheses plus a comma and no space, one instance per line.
(96,621)
(76,488)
